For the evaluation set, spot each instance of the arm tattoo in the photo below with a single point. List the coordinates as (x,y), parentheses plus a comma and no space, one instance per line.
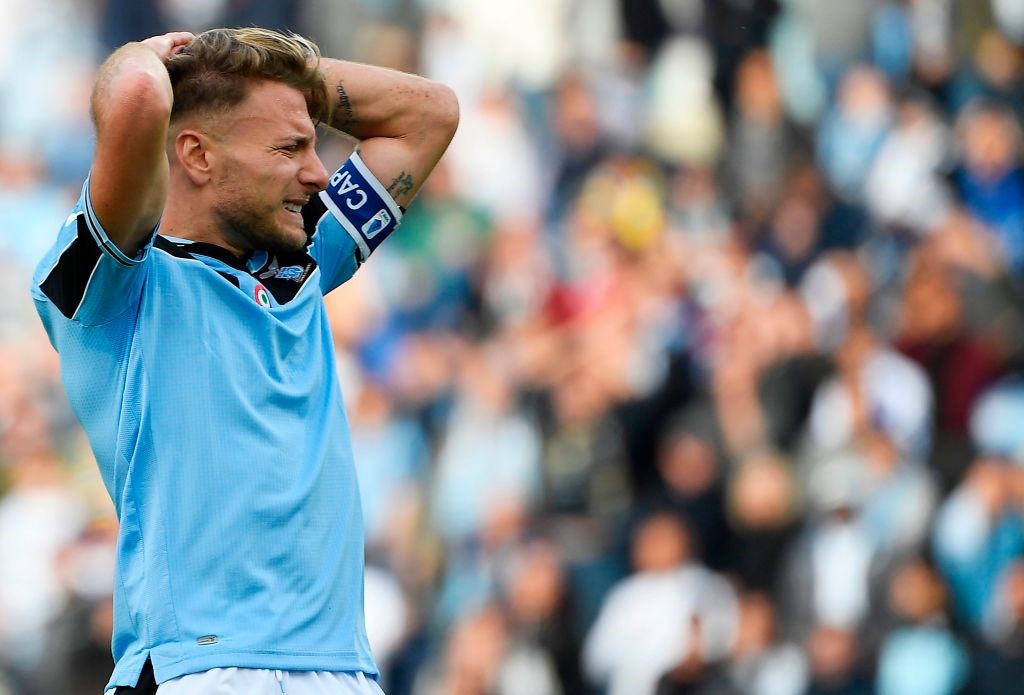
(347,118)
(401,185)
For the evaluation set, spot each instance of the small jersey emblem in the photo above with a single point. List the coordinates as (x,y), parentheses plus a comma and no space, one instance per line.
(375,224)
(289,272)
(207,640)
(262,296)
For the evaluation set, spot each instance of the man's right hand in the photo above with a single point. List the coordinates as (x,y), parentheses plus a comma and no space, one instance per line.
(168,45)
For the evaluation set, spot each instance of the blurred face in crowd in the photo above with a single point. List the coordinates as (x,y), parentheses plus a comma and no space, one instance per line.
(483,380)
(757,90)
(991,142)
(916,593)
(864,96)
(756,629)
(474,652)
(932,308)
(762,495)
(661,544)
(795,227)
(579,400)
(537,586)
(997,59)
(576,114)
(687,463)
(995,484)
(833,653)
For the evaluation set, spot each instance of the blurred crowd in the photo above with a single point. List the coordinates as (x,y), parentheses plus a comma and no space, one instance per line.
(695,368)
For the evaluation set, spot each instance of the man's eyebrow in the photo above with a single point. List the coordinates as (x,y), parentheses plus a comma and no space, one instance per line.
(299,140)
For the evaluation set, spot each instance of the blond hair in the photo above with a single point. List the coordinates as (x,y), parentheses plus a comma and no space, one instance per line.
(214,72)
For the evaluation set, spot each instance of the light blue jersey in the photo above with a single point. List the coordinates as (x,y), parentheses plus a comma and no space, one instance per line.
(207,387)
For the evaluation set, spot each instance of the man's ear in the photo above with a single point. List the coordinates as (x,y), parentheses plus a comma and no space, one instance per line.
(192,149)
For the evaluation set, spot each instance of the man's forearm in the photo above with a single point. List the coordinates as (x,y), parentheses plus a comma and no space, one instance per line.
(372,101)
(404,122)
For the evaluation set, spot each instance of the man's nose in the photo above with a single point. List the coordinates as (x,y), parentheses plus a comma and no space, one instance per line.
(314,174)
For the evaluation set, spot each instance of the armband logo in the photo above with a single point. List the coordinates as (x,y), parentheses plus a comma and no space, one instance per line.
(373,226)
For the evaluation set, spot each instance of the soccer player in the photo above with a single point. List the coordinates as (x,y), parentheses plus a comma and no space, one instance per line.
(185,297)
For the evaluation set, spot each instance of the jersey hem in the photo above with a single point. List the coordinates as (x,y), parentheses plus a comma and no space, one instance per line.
(169,669)
(266,659)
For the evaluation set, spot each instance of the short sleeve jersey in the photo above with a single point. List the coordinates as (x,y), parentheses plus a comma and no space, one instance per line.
(207,386)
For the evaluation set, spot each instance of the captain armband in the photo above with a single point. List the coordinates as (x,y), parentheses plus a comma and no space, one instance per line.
(357,200)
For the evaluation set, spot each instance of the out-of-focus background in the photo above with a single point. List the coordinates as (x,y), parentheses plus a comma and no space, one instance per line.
(695,367)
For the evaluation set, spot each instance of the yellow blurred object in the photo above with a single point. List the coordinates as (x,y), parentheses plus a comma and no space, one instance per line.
(626,196)
(637,213)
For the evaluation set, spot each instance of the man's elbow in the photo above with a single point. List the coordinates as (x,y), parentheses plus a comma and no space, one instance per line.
(443,110)
(150,92)
(136,93)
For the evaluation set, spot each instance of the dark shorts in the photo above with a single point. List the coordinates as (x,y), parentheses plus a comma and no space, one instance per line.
(145,686)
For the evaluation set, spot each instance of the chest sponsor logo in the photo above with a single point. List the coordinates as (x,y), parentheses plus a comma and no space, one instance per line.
(375,224)
(290,272)
(262,296)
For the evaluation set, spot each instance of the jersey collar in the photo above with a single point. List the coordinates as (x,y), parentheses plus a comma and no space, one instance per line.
(220,253)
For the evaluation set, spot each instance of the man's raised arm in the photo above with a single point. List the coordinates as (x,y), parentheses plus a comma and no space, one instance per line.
(404,122)
(131,107)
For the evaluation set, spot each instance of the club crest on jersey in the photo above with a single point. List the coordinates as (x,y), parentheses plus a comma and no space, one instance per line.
(262,296)
(373,226)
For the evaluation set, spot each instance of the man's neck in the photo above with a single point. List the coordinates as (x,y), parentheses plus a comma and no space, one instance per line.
(185,220)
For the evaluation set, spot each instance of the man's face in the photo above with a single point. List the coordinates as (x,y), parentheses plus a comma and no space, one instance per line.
(266,170)
(991,144)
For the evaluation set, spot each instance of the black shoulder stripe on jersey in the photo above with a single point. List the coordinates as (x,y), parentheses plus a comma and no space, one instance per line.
(219,253)
(230,278)
(65,285)
(180,251)
(170,247)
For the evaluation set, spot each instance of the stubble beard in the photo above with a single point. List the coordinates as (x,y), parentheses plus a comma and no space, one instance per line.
(252,226)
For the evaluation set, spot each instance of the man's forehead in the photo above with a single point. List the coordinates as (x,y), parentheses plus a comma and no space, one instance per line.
(276,125)
(275,108)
